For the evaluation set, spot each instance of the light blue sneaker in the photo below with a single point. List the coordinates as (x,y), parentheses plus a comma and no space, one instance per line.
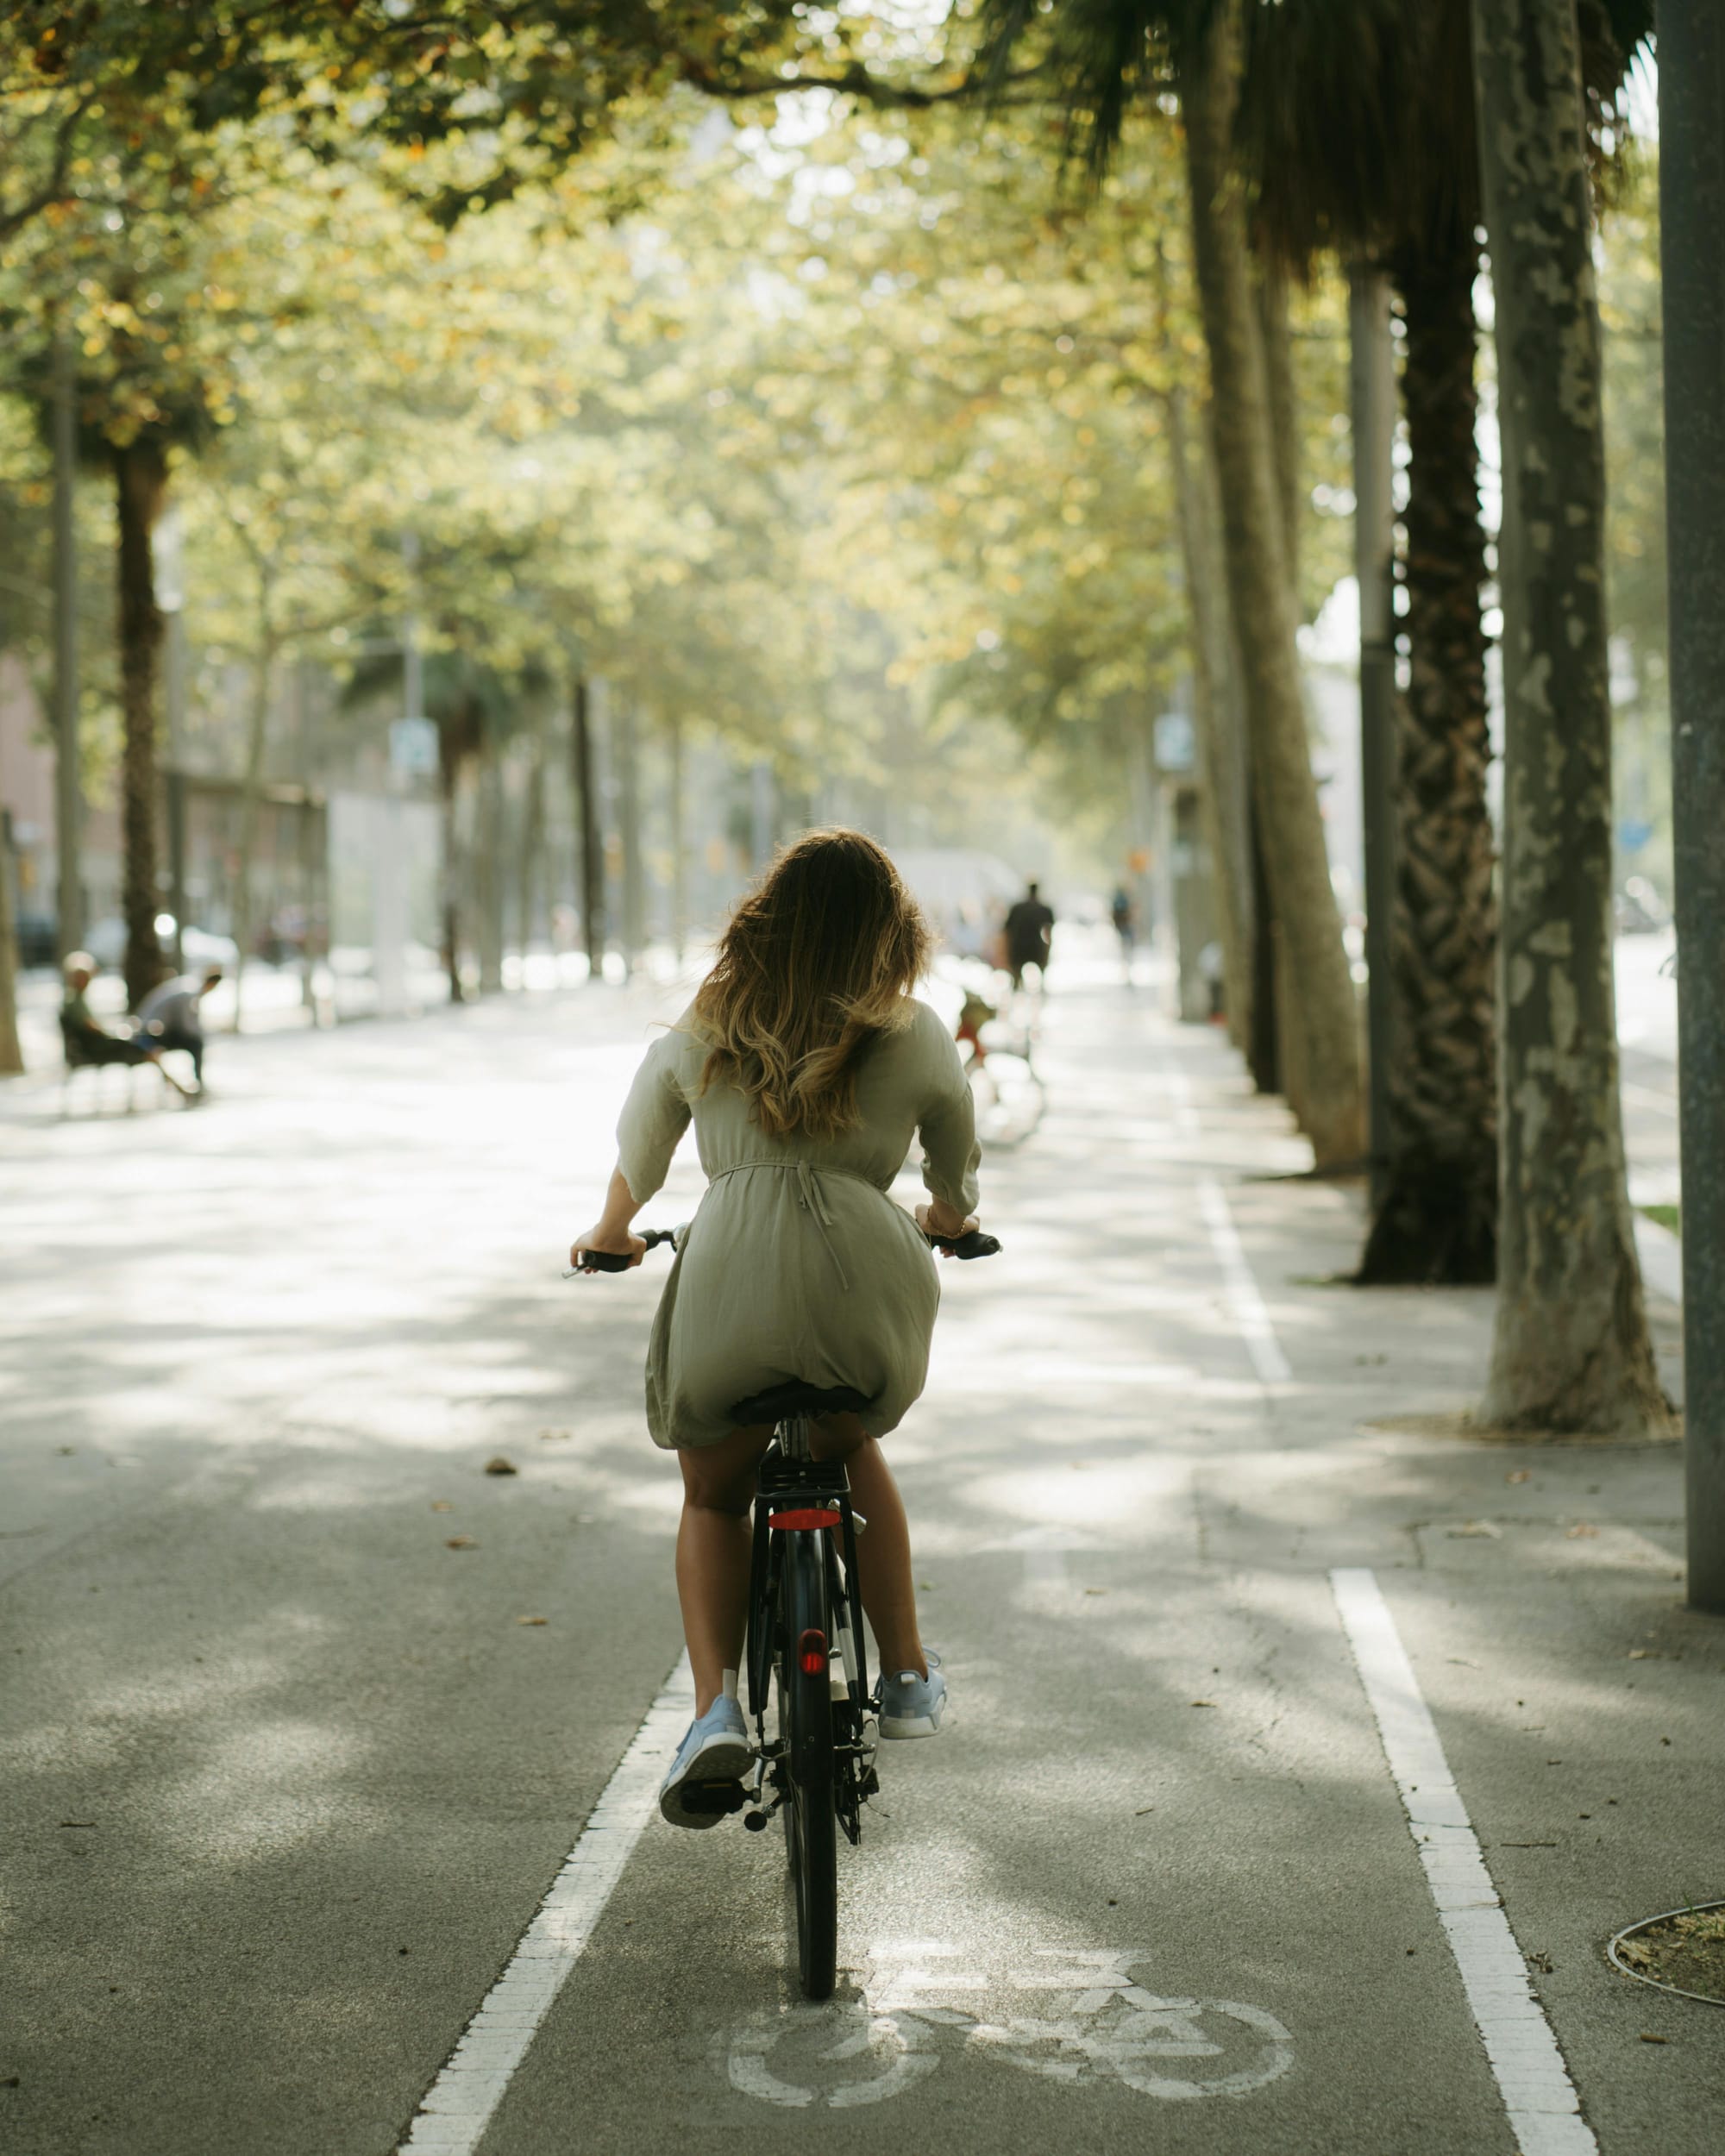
(911,1705)
(716,1750)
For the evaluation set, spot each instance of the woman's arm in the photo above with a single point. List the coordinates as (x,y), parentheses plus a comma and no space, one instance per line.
(611,1234)
(654,1119)
(950,1151)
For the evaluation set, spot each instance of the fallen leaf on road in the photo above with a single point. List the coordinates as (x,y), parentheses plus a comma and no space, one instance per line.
(1520,1474)
(499,1466)
(1096,1590)
(532,1620)
(462,1542)
(1478,1527)
(1638,1654)
(1462,1661)
(78,1822)
(1647,2037)
(1576,1534)
(1204,1702)
(441,1504)
(1542,1962)
(549,1436)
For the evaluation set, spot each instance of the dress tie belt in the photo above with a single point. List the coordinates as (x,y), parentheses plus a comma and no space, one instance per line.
(811,1196)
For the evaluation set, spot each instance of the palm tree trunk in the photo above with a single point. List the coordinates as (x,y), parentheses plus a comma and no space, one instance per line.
(1436,1221)
(1322,1013)
(141,482)
(1570,1350)
(1223,775)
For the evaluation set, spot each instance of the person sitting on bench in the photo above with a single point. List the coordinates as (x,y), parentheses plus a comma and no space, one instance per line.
(87,1043)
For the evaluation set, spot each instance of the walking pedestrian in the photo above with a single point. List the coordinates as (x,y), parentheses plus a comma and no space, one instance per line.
(171,1015)
(1030,935)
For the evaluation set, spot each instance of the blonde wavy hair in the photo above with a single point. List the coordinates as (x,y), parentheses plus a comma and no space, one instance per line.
(818,962)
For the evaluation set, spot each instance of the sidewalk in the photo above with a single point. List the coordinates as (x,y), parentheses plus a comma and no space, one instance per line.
(1538,1589)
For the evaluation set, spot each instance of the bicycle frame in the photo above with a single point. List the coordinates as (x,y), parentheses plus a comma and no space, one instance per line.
(797,1495)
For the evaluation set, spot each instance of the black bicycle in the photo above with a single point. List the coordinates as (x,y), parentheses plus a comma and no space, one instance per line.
(805,1657)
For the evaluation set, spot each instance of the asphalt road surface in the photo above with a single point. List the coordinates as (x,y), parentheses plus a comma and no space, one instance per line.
(304,1711)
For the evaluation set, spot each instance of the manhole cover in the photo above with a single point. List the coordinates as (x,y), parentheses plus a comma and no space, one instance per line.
(1682,1950)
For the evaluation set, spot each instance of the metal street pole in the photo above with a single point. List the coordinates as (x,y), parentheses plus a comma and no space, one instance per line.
(1692,252)
(68,784)
(1373,396)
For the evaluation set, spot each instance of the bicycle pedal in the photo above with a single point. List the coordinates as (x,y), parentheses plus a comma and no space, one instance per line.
(713,1799)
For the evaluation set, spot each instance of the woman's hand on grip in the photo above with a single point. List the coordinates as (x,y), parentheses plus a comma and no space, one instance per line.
(611,1242)
(943,1221)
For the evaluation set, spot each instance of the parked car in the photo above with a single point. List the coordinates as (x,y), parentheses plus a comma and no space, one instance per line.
(106,944)
(37,941)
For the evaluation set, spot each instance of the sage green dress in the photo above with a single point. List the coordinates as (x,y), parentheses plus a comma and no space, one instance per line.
(798,1264)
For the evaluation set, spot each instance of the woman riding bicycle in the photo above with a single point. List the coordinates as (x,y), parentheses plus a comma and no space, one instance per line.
(806,1065)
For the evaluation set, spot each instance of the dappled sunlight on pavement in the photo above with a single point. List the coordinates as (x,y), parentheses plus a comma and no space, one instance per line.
(310,1673)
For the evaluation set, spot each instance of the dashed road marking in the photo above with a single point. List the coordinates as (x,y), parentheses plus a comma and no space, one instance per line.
(1544,2112)
(459,2104)
(1244,1299)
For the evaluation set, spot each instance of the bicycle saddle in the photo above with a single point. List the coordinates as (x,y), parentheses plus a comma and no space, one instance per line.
(778,1403)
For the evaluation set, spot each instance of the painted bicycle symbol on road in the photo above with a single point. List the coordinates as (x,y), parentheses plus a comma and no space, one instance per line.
(1072,2017)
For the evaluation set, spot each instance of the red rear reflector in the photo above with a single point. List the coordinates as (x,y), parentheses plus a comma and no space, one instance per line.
(813,1517)
(811,1653)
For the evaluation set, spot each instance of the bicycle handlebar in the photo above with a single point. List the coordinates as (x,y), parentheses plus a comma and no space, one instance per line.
(974,1244)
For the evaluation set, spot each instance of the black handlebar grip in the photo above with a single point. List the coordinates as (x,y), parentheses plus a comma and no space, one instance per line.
(975,1244)
(603,1262)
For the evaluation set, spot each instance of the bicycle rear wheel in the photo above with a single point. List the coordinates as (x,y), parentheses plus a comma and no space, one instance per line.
(806,1725)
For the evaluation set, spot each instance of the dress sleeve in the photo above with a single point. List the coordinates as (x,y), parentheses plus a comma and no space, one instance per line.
(947,1125)
(654,1119)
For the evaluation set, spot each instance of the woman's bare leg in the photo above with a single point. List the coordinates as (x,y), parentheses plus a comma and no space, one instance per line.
(883,1552)
(712,1556)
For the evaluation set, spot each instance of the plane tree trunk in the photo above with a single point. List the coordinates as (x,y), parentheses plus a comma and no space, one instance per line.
(1321,1018)
(139,487)
(1570,1350)
(1223,772)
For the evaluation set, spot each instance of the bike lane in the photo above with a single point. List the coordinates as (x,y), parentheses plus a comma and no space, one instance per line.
(1154,1882)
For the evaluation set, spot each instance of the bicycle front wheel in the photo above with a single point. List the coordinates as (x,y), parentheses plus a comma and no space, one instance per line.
(806,1725)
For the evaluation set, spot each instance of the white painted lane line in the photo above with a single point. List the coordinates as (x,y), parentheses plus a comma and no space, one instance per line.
(1244,1299)
(1544,2112)
(460,2103)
